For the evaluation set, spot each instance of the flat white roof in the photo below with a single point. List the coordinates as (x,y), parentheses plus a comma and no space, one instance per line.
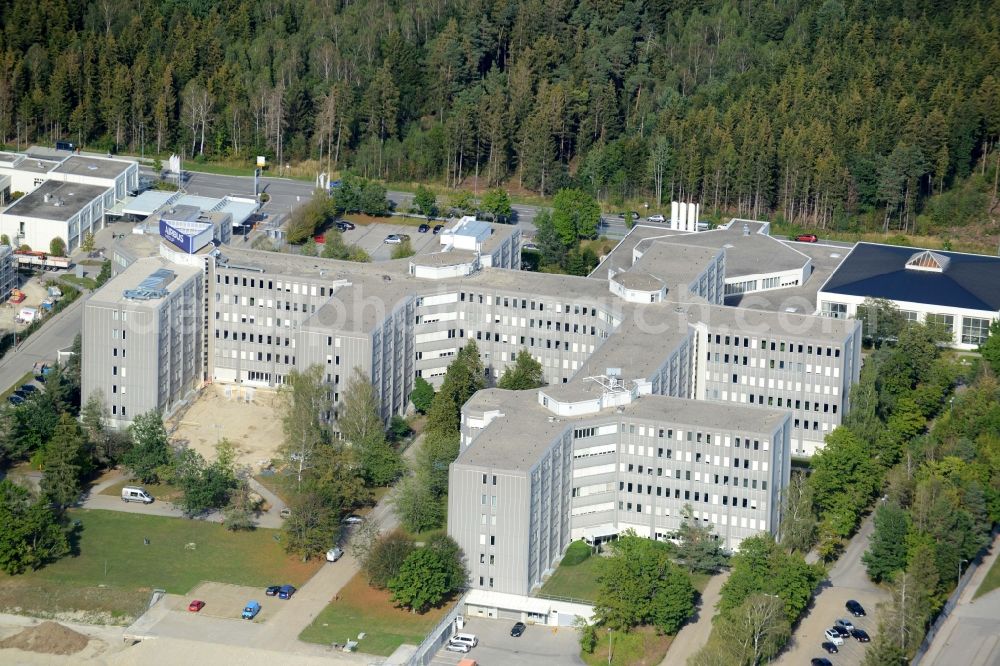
(149,202)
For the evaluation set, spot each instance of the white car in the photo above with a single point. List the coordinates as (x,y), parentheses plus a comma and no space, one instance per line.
(393,239)
(353,520)
(334,554)
(833,636)
(656,218)
(457,647)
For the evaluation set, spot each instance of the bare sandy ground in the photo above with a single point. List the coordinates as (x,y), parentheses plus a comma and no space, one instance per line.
(247,417)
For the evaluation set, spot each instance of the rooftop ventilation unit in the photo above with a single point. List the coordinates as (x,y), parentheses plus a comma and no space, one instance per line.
(746,229)
(154,286)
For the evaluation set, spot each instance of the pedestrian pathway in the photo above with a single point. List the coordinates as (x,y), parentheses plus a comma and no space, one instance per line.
(693,635)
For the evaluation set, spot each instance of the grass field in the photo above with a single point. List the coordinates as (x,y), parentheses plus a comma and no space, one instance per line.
(84,282)
(180,554)
(576,576)
(361,608)
(991,581)
(639,647)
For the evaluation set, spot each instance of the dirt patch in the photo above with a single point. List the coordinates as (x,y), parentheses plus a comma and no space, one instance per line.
(247,417)
(47,638)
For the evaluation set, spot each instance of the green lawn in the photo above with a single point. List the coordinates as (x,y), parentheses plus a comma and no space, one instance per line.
(218,169)
(991,581)
(576,576)
(639,647)
(361,608)
(84,282)
(181,553)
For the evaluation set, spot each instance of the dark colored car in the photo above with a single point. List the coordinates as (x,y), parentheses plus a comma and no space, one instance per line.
(860,635)
(438,228)
(344,225)
(272,590)
(518,629)
(806,238)
(424,228)
(821,661)
(842,631)
(855,609)
(830,648)
(27,389)
(15,400)
(286,591)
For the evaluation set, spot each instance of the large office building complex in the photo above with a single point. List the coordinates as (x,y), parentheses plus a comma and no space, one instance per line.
(658,394)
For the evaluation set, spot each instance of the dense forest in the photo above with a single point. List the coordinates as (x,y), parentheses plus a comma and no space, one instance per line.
(810,109)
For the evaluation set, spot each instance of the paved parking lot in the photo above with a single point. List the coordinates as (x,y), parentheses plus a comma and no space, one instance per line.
(847,580)
(228,601)
(371,238)
(538,646)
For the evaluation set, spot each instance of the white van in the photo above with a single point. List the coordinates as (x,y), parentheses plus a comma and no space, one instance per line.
(468,640)
(136,494)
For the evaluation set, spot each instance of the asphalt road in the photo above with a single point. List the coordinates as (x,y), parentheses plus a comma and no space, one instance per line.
(57,333)
(285,194)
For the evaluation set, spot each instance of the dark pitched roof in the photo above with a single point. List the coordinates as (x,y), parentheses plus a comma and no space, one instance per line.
(970,281)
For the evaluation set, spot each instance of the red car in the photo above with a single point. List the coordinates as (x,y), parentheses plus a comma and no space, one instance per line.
(196,606)
(806,238)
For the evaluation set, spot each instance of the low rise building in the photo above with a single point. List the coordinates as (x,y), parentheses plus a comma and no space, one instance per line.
(959,291)
(56,209)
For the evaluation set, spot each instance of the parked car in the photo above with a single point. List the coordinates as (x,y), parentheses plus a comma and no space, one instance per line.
(286,591)
(656,218)
(196,605)
(830,648)
(841,631)
(424,228)
(15,400)
(529,246)
(833,636)
(518,629)
(27,389)
(272,590)
(469,640)
(393,239)
(285,513)
(457,647)
(855,609)
(353,520)
(251,610)
(344,225)
(860,635)
(846,624)
(438,228)
(807,238)
(334,554)
(821,661)
(630,215)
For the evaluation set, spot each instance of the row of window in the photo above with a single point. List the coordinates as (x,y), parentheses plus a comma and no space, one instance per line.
(628,486)
(258,338)
(522,304)
(290,287)
(776,345)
